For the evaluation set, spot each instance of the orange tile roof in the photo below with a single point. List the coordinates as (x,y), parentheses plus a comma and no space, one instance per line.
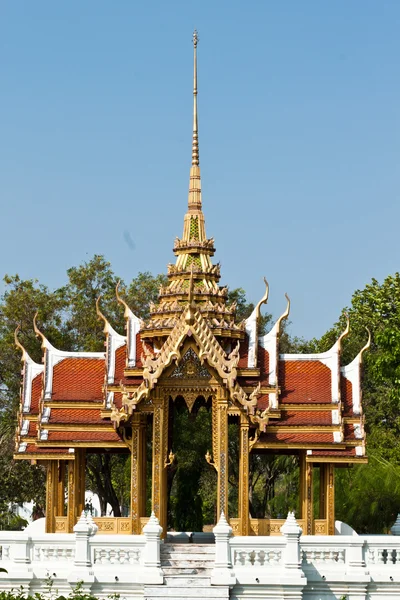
(305,417)
(305,382)
(37,384)
(33,449)
(139,350)
(243,353)
(33,429)
(120,362)
(83,436)
(75,415)
(296,438)
(346,452)
(346,392)
(263,363)
(349,432)
(78,379)
(263,401)
(118,399)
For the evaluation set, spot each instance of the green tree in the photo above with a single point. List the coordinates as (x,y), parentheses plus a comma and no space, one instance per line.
(376,307)
(67,316)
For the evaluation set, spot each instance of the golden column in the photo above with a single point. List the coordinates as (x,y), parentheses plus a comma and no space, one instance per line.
(51,495)
(60,489)
(306,494)
(138,471)
(70,496)
(76,487)
(330,497)
(244,525)
(220,444)
(160,442)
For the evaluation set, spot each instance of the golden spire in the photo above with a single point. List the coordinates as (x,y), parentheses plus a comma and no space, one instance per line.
(195,143)
(194,183)
(193,277)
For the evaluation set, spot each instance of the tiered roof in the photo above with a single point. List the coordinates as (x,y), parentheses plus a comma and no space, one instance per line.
(293,401)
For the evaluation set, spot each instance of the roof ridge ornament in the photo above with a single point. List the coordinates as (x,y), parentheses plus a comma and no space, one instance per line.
(263,300)
(18,343)
(367,345)
(121,300)
(45,342)
(345,333)
(284,315)
(100,314)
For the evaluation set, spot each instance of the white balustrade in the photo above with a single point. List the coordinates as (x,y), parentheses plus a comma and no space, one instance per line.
(331,566)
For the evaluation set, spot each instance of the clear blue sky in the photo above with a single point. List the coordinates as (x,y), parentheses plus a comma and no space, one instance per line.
(299,141)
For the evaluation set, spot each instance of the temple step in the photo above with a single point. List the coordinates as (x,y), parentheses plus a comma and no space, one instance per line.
(170,592)
(187,569)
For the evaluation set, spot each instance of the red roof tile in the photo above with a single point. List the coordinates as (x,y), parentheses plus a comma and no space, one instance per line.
(346,452)
(305,417)
(118,399)
(304,381)
(346,392)
(263,363)
(83,436)
(78,379)
(37,385)
(33,449)
(120,362)
(243,353)
(263,401)
(75,415)
(296,438)
(349,432)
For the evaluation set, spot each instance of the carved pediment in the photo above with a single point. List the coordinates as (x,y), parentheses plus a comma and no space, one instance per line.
(190,367)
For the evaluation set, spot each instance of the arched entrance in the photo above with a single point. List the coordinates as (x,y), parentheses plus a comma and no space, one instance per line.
(191,480)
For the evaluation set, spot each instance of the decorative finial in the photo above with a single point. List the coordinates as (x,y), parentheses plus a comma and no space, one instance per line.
(195,143)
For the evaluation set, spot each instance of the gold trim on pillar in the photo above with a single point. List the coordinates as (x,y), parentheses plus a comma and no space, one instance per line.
(71,496)
(51,495)
(244,523)
(60,489)
(138,471)
(160,442)
(330,498)
(220,442)
(306,493)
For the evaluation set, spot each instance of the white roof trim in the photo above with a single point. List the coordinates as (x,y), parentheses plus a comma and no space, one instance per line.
(269,343)
(114,341)
(352,373)
(24,427)
(30,371)
(251,330)
(132,329)
(44,434)
(337,437)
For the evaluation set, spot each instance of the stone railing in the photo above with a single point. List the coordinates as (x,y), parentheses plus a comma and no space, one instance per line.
(291,565)
(114,563)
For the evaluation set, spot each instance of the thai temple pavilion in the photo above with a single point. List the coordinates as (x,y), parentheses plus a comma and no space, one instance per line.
(191,347)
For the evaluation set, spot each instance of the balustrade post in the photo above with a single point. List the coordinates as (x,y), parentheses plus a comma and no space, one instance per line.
(20,556)
(152,572)
(222,573)
(355,556)
(83,530)
(292,532)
